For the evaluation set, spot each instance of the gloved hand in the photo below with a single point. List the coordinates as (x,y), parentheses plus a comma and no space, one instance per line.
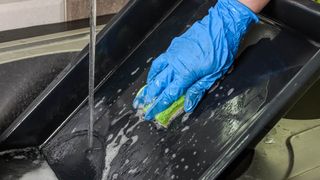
(196,59)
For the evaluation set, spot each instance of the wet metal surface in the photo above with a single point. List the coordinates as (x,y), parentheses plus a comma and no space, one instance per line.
(197,145)
(22,81)
(135,149)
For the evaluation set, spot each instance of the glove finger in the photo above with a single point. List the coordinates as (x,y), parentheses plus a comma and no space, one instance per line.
(196,91)
(148,93)
(176,89)
(157,66)
(139,99)
(158,84)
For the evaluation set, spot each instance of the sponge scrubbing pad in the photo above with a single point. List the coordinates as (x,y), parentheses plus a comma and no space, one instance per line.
(165,117)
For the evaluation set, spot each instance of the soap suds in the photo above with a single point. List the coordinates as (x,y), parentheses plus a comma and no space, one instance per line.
(19,157)
(110,137)
(133,171)
(149,60)
(112,149)
(212,114)
(145,160)
(185,117)
(230,91)
(122,110)
(115,176)
(185,128)
(43,172)
(99,102)
(135,71)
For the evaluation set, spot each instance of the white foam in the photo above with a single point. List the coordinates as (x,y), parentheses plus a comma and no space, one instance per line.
(149,60)
(230,91)
(122,110)
(15,151)
(100,102)
(114,121)
(115,176)
(133,171)
(185,128)
(145,160)
(135,71)
(212,114)
(205,123)
(113,147)
(185,117)
(19,157)
(134,139)
(112,151)
(43,172)
(110,137)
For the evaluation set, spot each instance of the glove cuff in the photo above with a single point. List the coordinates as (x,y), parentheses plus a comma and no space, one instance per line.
(238,11)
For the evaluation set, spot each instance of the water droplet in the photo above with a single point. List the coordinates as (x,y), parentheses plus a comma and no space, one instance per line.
(149,60)
(230,91)
(186,167)
(145,160)
(135,71)
(212,114)
(194,153)
(119,90)
(166,150)
(115,176)
(185,128)
(182,159)
(174,155)
(133,171)
(185,117)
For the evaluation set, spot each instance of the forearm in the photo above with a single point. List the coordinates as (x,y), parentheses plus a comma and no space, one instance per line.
(255,5)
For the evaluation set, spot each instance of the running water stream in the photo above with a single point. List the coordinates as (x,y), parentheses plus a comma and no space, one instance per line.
(92,50)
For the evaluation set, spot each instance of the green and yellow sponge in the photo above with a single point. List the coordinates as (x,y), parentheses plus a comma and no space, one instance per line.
(165,117)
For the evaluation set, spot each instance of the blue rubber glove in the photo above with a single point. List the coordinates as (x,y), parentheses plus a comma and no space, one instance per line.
(196,59)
